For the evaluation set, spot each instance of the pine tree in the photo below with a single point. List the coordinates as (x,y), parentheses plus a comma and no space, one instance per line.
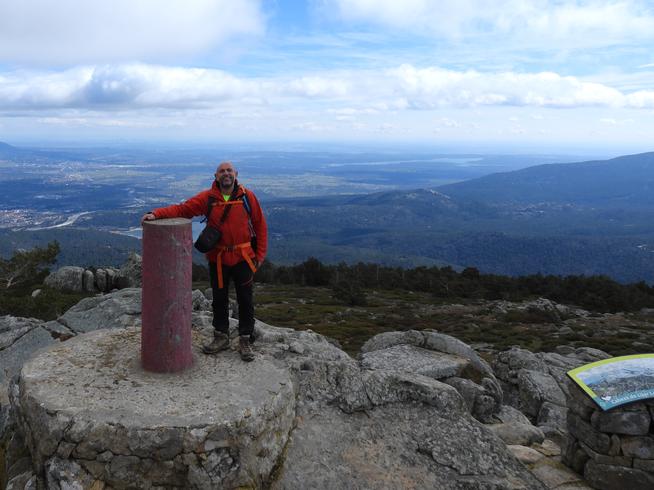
(25,266)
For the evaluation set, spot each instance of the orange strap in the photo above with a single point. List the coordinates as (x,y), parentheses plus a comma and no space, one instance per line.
(219,261)
(226,203)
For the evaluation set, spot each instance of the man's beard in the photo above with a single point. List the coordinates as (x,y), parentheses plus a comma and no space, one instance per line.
(226,182)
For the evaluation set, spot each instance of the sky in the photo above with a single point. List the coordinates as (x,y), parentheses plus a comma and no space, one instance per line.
(549,75)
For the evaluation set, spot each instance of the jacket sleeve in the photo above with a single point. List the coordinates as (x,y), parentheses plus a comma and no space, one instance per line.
(195,206)
(260,227)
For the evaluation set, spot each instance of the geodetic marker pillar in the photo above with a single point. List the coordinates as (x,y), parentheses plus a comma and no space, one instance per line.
(167,297)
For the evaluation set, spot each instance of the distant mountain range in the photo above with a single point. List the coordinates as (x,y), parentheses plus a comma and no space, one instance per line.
(623,182)
(581,218)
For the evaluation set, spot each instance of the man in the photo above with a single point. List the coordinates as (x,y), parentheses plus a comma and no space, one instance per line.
(233,257)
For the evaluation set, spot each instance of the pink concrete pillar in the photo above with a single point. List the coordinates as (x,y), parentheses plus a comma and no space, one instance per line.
(167,298)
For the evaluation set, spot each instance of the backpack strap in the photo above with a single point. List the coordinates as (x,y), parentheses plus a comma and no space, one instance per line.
(246,203)
(210,204)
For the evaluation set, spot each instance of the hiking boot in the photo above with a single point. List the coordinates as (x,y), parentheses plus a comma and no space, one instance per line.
(220,342)
(245,349)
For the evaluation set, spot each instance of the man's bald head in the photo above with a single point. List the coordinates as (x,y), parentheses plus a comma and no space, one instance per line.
(224,164)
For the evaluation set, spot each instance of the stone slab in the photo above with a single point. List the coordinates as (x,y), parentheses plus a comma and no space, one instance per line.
(416,360)
(607,477)
(554,475)
(633,423)
(389,448)
(116,310)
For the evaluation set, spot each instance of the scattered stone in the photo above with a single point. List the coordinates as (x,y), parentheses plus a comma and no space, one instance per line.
(67,278)
(101,280)
(200,302)
(564,350)
(518,434)
(111,278)
(508,414)
(525,454)
(535,389)
(551,415)
(548,448)
(88,281)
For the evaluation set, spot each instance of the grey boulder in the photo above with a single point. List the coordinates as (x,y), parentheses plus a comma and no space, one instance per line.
(68,278)
(120,309)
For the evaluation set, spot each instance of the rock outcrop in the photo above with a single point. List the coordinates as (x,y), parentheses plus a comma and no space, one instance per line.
(102,280)
(78,279)
(540,307)
(440,357)
(536,384)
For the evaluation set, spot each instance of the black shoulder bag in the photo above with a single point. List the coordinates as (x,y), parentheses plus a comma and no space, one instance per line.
(210,236)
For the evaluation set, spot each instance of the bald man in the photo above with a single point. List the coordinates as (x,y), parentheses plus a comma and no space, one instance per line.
(236,212)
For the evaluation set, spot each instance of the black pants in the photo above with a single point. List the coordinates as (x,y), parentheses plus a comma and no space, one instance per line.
(243,280)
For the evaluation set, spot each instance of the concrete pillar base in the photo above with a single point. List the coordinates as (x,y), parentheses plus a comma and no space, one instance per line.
(90,411)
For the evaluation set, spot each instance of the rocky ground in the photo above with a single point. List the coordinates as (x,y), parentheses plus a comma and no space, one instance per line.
(427,395)
(417,409)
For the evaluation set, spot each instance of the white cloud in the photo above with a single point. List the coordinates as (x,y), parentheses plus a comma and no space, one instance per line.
(446,122)
(436,87)
(615,122)
(574,24)
(82,31)
(362,93)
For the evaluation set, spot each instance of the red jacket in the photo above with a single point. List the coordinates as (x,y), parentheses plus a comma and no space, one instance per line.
(235,229)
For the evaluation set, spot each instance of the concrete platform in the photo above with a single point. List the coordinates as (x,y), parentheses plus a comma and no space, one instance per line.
(86,404)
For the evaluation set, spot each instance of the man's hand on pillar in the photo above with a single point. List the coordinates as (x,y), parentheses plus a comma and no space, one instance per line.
(148,217)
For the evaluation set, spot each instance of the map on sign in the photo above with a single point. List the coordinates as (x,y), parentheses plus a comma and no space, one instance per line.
(618,380)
